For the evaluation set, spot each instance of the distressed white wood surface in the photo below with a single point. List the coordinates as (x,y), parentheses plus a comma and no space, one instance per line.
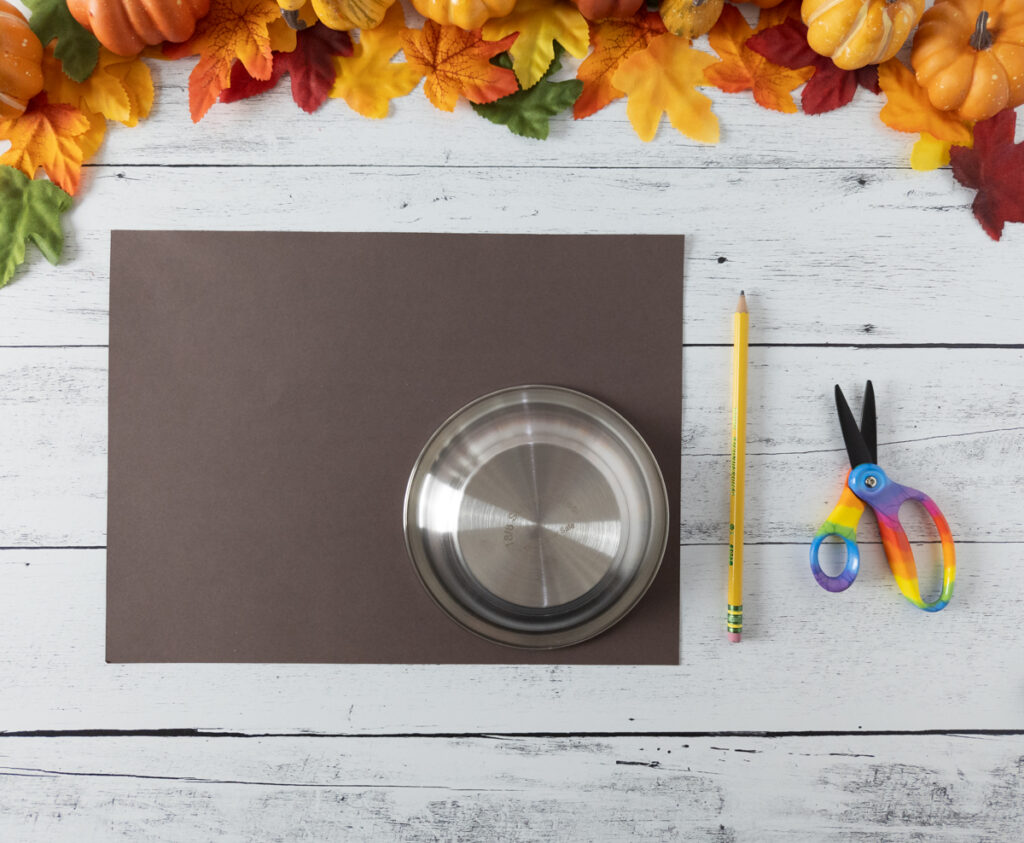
(838,243)
(895,259)
(868,788)
(862,661)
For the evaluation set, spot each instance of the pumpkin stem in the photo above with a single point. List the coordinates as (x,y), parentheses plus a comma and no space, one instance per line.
(982,38)
(291,17)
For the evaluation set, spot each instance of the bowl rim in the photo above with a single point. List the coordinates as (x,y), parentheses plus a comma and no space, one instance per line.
(651,561)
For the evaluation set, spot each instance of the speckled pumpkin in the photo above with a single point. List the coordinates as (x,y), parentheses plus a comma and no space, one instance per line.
(969,56)
(466,14)
(126,26)
(21,56)
(690,18)
(602,9)
(856,33)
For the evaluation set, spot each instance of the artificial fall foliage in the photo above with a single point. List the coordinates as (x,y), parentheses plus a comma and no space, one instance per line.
(539,23)
(457,64)
(528,112)
(509,70)
(76,48)
(663,79)
(234,30)
(908,109)
(368,80)
(30,209)
(310,66)
(741,69)
(613,41)
(119,88)
(831,87)
(995,168)
(52,137)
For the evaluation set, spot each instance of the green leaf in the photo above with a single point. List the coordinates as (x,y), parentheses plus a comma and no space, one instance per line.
(77,48)
(526,113)
(30,209)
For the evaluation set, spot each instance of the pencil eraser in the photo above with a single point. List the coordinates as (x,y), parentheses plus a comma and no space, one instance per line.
(734,637)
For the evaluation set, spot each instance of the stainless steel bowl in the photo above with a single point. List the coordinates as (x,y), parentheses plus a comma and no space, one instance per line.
(536,516)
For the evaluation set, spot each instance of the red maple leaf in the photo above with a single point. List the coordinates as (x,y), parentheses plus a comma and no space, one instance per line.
(310,67)
(830,87)
(995,168)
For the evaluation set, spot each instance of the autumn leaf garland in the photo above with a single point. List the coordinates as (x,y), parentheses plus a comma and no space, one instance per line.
(509,71)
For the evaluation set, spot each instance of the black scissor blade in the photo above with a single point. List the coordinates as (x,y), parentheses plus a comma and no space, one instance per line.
(855,445)
(868,426)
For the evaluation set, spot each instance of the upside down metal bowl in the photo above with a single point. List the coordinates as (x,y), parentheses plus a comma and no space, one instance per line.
(536,516)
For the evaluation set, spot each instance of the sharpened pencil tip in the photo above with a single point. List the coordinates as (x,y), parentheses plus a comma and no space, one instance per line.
(741,306)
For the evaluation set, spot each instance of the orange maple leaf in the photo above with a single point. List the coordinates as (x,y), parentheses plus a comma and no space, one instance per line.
(908,108)
(234,29)
(613,42)
(53,136)
(741,69)
(457,63)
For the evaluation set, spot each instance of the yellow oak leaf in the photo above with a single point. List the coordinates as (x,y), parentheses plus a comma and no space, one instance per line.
(368,80)
(540,23)
(457,63)
(663,78)
(233,30)
(54,137)
(119,88)
(908,109)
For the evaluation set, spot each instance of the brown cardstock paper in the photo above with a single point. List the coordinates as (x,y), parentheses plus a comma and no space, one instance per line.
(270,392)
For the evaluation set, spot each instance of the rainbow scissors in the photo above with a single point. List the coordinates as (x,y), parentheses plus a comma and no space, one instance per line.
(866,483)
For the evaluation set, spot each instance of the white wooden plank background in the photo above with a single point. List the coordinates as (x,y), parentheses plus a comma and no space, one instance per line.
(868,788)
(874,721)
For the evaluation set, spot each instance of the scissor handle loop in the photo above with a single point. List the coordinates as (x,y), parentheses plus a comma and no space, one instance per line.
(842,522)
(845,578)
(886,497)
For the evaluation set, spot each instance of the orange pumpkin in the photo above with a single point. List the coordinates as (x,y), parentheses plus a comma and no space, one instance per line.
(690,18)
(856,33)
(21,58)
(601,9)
(126,26)
(466,14)
(969,56)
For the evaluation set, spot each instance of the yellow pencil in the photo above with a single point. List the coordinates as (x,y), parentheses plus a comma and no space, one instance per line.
(734,606)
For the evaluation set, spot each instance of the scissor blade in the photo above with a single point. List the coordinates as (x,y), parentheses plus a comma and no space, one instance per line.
(855,446)
(868,426)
